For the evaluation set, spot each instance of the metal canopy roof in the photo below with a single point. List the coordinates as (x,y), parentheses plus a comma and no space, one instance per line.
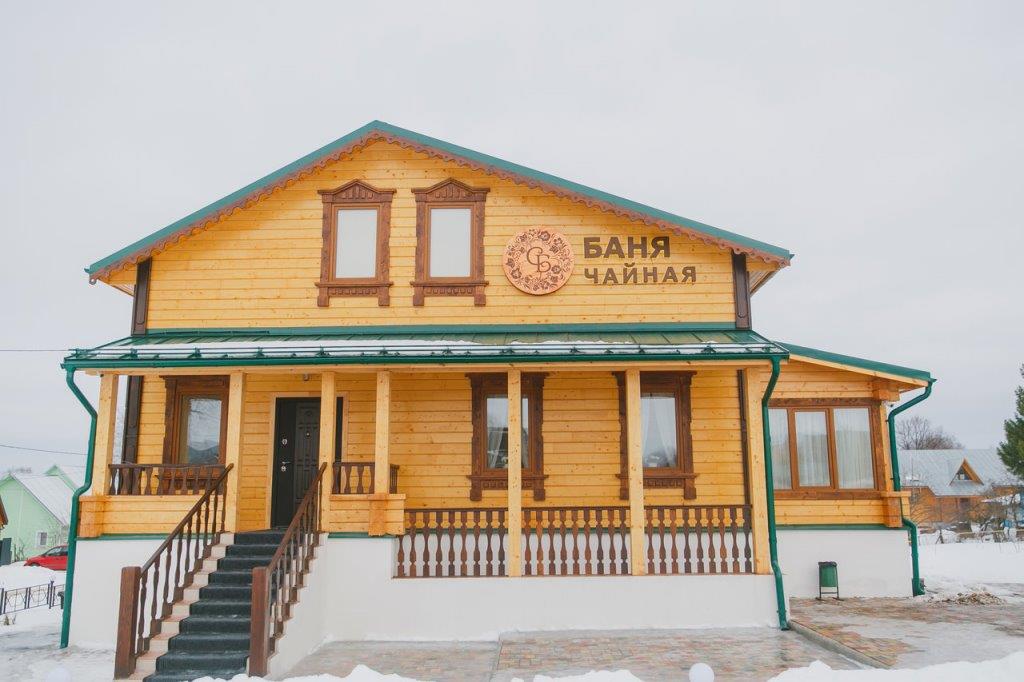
(268,347)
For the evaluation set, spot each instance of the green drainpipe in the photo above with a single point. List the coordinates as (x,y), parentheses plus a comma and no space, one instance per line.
(911,527)
(69,576)
(773,542)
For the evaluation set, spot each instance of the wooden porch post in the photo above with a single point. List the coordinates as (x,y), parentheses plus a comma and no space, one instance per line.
(755,383)
(515,472)
(103,452)
(233,450)
(381,455)
(328,419)
(635,467)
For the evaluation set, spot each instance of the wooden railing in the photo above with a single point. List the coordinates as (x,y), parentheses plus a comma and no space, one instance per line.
(275,587)
(162,479)
(356,478)
(148,592)
(452,543)
(698,539)
(575,541)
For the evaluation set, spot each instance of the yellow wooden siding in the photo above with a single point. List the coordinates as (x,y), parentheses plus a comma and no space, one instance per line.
(801,512)
(257,266)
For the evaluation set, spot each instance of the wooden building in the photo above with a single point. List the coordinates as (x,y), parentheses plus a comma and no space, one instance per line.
(343,348)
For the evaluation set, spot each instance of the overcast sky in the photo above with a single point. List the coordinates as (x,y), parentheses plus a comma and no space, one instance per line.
(881,142)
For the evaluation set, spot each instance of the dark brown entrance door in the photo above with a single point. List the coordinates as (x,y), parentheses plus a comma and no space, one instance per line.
(296,454)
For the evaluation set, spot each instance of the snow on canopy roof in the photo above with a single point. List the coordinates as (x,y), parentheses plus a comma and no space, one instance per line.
(380,131)
(936,469)
(52,492)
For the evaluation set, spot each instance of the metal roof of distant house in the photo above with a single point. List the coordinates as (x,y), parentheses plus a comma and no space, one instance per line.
(380,131)
(52,492)
(936,470)
(74,473)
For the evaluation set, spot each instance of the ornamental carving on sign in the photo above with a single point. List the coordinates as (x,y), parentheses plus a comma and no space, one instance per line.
(538,261)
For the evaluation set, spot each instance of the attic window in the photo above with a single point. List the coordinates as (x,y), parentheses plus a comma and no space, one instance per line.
(356,231)
(449,241)
(964,473)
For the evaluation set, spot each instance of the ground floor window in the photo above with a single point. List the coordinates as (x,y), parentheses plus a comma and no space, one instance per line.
(195,420)
(491,434)
(822,448)
(42,538)
(665,433)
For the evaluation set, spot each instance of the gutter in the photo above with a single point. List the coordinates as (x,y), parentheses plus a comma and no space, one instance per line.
(917,588)
(69,579)
(773,541)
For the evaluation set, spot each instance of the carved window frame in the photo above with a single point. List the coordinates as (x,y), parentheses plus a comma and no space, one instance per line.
(484,478)
(682,474)
(832,491)
(178,389)
(450,193)
(355,195)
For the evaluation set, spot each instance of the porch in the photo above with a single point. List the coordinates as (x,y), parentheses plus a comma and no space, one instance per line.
(411,452)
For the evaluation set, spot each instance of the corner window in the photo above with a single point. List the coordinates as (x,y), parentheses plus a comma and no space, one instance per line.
(823,448)
(356,234)
(195,420)
(449,242)
(665,438)
(491,435)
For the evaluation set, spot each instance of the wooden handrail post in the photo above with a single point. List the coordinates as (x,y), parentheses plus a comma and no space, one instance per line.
(127,615)
(258,625)
(635,469)
(382,437)
(515,473)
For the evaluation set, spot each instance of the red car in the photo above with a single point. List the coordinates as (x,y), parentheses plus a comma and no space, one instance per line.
(55,559)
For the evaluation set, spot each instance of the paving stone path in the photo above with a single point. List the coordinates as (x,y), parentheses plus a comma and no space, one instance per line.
(747,654)
(912,633)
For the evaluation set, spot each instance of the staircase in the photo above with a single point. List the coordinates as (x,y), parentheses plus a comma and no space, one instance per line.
(212,633)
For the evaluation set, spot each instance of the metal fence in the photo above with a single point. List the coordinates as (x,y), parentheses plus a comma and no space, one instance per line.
(23,598)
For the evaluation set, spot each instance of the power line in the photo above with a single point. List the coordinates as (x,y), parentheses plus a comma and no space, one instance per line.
(52,452)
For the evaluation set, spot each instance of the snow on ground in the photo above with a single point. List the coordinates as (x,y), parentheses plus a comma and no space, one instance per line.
(1009,668)
(19,575)
(965,567)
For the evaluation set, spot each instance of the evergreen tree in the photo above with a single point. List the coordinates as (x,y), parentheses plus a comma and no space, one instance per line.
(1012,451)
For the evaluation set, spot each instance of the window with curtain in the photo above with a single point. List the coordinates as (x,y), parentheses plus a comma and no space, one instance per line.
(195,419)
(491,435)
(356,243)
(823,448)
(659,430)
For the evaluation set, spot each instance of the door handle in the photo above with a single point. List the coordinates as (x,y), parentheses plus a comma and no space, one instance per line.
(284,465)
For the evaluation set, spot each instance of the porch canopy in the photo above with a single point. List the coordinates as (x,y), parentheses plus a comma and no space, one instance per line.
(423,345)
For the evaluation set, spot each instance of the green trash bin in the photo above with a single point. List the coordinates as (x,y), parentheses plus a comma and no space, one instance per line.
(828,579)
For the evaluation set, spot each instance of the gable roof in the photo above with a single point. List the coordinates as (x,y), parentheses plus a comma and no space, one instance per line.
(72,474)
(51,492)
(380,131)
(936,470)
(870,366)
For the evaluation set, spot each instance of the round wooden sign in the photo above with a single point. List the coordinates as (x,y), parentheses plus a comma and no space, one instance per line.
(538,261)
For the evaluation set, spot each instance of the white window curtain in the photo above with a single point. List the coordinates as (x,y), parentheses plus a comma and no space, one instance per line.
(497,431)
(812,449)
(658,430)
(778,423)
(853,447)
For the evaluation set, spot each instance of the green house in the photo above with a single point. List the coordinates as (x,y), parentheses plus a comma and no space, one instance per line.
(38,508)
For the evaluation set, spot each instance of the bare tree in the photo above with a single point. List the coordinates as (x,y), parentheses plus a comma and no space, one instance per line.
(918,433)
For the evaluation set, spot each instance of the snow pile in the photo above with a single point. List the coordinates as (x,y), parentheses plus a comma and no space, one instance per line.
(19,575)
(960,570)
(1009,668)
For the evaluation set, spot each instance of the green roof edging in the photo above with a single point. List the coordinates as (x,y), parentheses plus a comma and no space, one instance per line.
(863,363)
(477,157)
